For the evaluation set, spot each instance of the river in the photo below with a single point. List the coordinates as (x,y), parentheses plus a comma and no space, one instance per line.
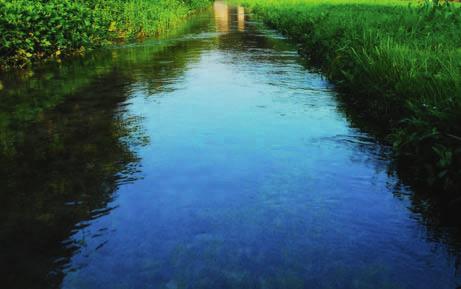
(212,158)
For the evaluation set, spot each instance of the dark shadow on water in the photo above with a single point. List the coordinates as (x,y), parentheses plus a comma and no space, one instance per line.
(441,219)
(67,144)
(63,173)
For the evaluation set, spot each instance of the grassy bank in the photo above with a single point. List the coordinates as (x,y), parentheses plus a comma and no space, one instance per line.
(400,64)
(37,29)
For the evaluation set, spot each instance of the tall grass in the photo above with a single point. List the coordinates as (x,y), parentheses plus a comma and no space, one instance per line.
(400,63)
(34,29)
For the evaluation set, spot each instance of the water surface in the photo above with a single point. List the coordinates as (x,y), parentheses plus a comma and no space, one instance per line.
(211,159)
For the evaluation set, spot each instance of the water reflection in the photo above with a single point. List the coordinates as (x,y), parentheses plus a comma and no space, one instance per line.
(221,15)
(214,160)
(67,145)
(441,221)
(241,18)
(64,172)
(226,16)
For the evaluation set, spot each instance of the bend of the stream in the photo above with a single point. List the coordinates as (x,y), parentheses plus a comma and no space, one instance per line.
(214,159)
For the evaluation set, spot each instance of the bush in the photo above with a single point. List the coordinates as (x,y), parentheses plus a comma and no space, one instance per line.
(43,28)
(34,29)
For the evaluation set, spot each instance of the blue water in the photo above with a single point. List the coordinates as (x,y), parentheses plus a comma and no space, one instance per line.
(247,174)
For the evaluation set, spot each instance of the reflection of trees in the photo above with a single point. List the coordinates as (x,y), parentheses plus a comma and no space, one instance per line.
(69,147)
(28,94)
(69,164)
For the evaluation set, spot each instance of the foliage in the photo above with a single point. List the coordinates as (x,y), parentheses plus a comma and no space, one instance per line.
(400,63)
(34,29)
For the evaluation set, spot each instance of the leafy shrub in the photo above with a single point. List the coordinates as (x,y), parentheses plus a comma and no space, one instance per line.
(43,28)
(33,29)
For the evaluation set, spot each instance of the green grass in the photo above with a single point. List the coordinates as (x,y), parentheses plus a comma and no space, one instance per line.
(400,64)
(38,29)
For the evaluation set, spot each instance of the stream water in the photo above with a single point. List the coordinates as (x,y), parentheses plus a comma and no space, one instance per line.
(209,159)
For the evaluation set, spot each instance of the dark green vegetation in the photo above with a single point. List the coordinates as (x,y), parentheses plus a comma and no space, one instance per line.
(400,65)
(35,29)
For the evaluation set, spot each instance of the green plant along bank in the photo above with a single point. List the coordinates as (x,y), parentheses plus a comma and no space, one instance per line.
(37,29)
(400,63)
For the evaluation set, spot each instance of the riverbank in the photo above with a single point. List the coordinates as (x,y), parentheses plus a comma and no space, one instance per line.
(33,30)
(399,64)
